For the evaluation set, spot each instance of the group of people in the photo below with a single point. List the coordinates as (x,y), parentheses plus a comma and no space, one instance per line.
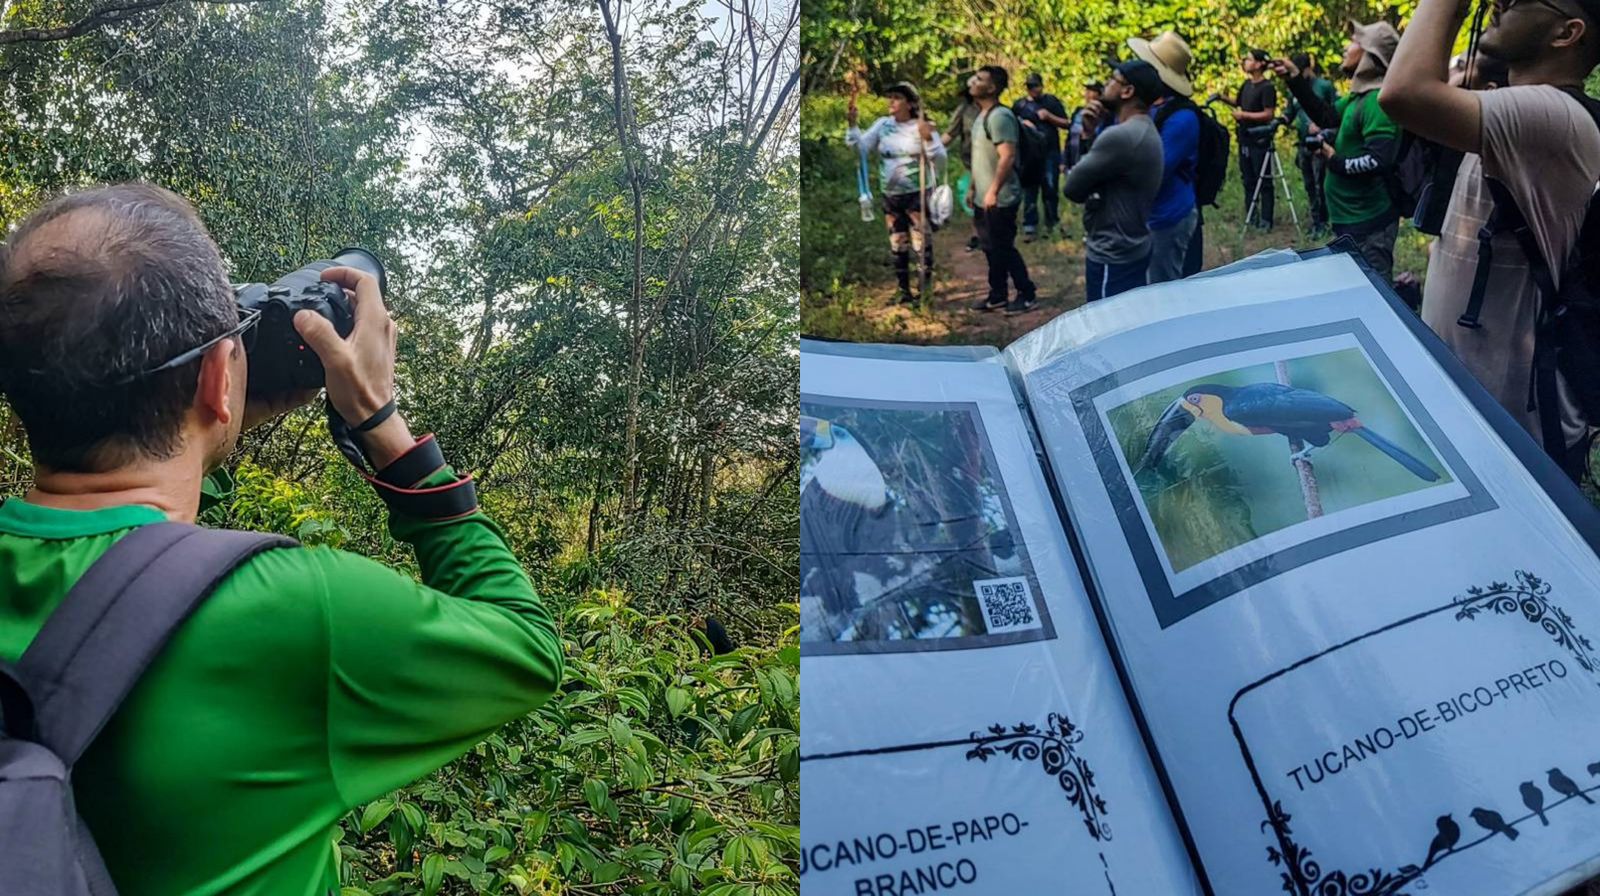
(1133,155)
(1130,156)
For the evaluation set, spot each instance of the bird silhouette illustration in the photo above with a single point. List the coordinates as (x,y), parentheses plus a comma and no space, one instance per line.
(1444,841)
(1533,798)
(1564,785)
(1594,768)
(1491,821)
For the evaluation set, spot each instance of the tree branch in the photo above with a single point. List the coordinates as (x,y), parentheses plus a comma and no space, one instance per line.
(110,14)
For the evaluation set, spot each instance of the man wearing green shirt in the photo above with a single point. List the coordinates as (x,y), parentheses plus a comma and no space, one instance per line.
(311,680)
(1360,158)
(1308,149)
(996,192)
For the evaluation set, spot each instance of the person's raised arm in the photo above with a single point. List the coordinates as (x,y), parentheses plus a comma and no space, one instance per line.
(1416,91)
(1318,110)
(417,671)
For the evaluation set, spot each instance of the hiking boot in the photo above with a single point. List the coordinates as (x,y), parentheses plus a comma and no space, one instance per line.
(1028,235)
(904,297)
(972,243)
(1021,305)
(990,304)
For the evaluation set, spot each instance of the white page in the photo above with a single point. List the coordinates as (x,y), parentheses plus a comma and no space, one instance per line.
(1329,689)
(893,798)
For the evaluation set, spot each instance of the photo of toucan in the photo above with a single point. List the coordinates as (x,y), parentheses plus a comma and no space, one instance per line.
(901,512)
(1303,415)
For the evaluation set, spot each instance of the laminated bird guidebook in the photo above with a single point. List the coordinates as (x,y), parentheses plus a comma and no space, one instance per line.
(1234,585)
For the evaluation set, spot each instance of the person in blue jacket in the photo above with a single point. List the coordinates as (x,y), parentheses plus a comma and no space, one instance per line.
(1174,216)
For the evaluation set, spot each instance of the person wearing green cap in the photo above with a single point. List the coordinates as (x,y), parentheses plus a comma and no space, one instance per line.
(905,143)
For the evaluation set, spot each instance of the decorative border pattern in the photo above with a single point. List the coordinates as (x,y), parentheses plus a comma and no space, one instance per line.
(1052,746)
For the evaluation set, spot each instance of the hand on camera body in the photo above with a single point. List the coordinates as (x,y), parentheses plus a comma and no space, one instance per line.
(360,368)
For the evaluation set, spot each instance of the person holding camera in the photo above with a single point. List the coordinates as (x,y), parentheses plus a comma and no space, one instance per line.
(904,140)
(1256,105)
(1308,148)
(311,680)
(1539,145)
(1117,182)
(1360,155)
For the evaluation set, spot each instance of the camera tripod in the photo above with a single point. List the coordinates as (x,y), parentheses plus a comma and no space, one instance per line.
(1271,170)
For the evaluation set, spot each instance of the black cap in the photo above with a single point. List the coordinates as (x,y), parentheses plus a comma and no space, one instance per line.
(1035,80)
(1258,55)
(1145,79)
(1096,86)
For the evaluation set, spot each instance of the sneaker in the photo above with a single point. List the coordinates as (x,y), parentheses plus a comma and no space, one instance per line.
(904,297)
(990,304)
(972,244)
(1027,236)
(1021,305)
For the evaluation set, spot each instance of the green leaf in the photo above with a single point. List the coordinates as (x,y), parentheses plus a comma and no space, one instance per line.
(495,854)
(432,873)
(677,700)
(374,814)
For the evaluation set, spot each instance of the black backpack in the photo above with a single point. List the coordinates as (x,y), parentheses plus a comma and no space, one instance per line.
(74,675)
(1567,326)
(1211,170)
(1032,150)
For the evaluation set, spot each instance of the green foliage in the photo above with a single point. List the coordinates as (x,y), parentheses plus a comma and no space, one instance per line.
(656,772)
(934,43)
(474,146)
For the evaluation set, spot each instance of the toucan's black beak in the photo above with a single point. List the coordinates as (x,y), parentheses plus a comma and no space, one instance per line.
(1172,424)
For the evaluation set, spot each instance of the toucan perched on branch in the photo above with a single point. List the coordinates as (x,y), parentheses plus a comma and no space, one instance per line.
(1269,409)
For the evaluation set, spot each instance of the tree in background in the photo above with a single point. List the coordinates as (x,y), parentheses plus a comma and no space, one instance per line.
(589,216)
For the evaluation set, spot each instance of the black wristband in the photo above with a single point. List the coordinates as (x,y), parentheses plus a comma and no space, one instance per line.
(371,423)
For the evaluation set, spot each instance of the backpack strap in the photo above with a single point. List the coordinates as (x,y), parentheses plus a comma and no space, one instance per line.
(117,618)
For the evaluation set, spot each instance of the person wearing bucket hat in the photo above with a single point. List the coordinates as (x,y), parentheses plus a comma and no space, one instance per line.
(1175,214)
(901,139)
(1358,184)
(1045,114)
(1117,183)
(1536,143)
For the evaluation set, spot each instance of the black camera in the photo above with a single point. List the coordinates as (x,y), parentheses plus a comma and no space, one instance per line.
(280,361)
(1314,141)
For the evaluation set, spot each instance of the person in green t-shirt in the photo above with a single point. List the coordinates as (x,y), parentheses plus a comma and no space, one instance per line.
(1360,158)
(1308,150)
(996,192)
(312,680)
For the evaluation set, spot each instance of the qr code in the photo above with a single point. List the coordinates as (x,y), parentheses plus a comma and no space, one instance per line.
(1007,605)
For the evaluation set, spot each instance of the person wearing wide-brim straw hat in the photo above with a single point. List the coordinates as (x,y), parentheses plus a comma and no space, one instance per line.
(1170,55)
(900,140)
(1175,216)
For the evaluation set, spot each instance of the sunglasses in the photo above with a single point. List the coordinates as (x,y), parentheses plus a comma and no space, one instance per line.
(1505,5)
(246,331)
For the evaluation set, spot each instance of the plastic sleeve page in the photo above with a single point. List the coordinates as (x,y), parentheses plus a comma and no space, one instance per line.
(964,729)
(1357,628)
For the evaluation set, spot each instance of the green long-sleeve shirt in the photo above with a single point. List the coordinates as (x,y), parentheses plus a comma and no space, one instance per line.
(311,681)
